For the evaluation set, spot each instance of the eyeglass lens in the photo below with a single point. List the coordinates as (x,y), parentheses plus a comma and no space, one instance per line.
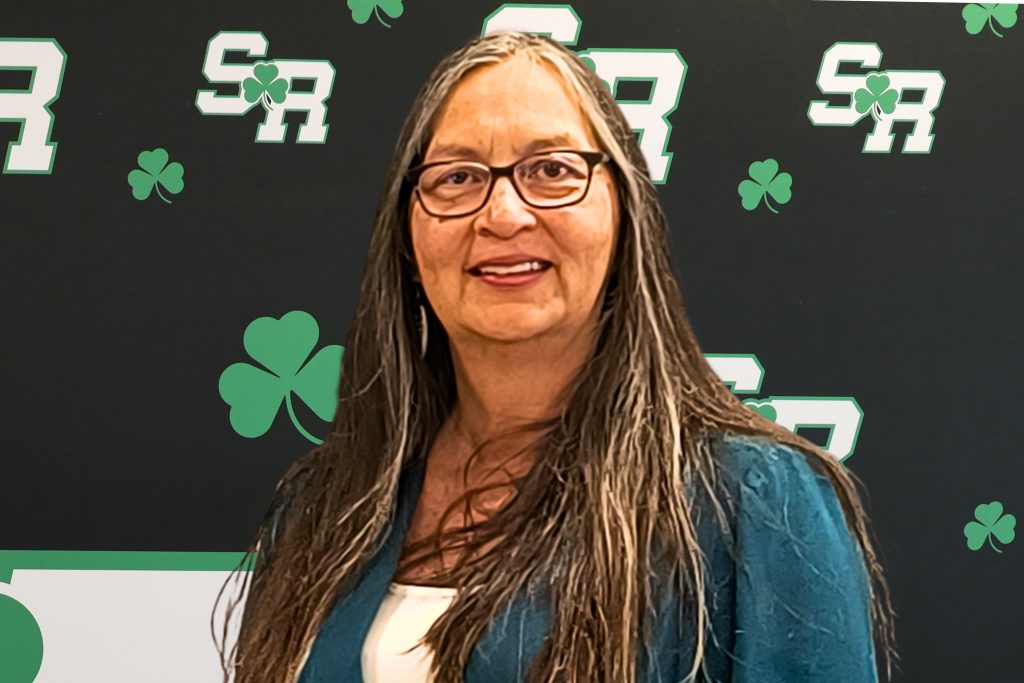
(544,180)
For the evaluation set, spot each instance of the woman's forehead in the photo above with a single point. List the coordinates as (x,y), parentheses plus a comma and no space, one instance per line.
(515,107)
(522,147)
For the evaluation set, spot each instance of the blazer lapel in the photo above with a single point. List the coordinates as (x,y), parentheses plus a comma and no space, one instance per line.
(336,653)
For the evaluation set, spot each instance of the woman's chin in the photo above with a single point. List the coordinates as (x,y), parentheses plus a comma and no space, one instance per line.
(518,326)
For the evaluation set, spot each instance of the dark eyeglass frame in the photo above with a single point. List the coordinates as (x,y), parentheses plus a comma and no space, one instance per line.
(593,158)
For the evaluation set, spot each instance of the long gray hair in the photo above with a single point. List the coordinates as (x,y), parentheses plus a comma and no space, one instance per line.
(635,434)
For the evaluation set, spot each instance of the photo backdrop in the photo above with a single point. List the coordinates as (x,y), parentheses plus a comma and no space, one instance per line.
(187,195)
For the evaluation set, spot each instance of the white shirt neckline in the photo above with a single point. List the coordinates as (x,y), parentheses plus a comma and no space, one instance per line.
(390,652)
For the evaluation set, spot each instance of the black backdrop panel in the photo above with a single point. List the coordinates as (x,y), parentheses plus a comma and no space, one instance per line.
(891,277)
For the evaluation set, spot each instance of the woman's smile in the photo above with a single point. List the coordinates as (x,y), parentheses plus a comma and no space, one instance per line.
(510,273)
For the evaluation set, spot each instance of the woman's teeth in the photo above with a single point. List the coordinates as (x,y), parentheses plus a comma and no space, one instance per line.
(513,269)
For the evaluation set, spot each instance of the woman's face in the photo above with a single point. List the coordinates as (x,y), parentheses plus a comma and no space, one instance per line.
(496,115)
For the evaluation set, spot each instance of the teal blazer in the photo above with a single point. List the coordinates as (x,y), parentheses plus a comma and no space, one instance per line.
(791,607)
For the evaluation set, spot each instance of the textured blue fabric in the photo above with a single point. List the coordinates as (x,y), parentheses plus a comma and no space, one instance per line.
(788,603)
(801,608)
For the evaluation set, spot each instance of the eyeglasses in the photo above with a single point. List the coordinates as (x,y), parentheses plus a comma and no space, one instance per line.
(547,180)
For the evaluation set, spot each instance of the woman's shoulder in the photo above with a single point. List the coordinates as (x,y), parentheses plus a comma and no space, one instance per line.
(763,468)
(738,454)
(801,589)
(782,503)
(786,510)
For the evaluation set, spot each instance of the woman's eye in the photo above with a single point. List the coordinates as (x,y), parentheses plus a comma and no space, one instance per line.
(548,170)
(551,169)
(457,177)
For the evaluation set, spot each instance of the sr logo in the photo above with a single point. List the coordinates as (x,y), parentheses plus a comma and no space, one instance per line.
(270,84)
(32,152)
(880,95)
(664,69)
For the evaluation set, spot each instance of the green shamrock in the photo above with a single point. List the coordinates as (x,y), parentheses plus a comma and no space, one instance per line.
(877,96)
(765,182)
(362,9)
(976,16)
(264,85)
(156,172)
(282,347)
(765,408)
(991,522)
(21,647)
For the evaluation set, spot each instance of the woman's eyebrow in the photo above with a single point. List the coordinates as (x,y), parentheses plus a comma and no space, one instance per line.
(451,151)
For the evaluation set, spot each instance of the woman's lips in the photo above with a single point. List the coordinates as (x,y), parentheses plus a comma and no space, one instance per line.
(511,280)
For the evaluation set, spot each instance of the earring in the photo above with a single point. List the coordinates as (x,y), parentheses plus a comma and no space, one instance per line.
(423,331)
(422,320)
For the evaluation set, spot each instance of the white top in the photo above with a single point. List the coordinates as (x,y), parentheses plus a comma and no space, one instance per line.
(389,652)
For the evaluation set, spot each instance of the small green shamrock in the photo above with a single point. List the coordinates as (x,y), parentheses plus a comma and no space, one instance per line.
(264,85)
(976,16)
(991,522)
(877,96)
(765,408)
(156,172)
(362,9)
(765,182)
(282,347)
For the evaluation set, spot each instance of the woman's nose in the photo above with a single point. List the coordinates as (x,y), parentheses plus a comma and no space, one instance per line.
(505,210)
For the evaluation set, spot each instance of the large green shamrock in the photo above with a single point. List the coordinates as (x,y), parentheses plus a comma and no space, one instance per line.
(155,172)
(21,644)
(877,94)
(991,522)
(362,9)
(264,85)
(281,346)
(765,182)
(976,16)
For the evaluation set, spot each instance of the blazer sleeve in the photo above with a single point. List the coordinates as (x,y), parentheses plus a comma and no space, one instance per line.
(802,605)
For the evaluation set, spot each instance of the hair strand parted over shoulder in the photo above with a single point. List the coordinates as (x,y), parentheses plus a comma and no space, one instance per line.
(613,474)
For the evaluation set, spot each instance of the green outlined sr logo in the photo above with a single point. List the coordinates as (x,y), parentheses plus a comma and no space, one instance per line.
(881,95)
(268,84)
(44,58)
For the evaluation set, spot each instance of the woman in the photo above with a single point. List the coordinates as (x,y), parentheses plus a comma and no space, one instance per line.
(532,465)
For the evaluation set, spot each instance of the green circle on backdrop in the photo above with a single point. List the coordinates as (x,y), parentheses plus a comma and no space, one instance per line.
(21,642)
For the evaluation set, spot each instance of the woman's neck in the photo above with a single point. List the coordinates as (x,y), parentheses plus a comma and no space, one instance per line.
(500,384)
